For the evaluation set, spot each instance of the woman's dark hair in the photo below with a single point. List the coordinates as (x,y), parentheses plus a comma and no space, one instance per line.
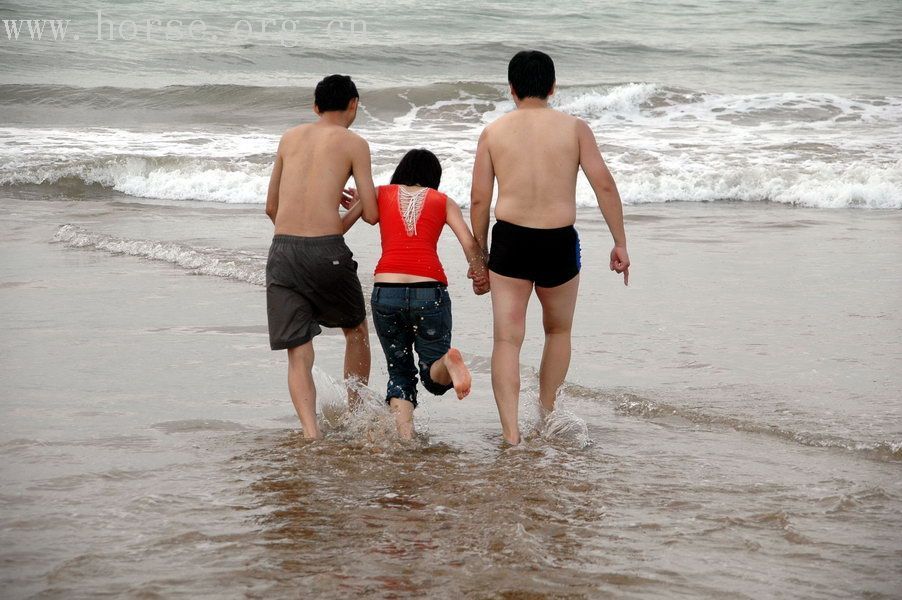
(335,92)
(418,167)
(531,74)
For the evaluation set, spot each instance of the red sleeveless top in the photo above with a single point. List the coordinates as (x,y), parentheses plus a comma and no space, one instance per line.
(409,244)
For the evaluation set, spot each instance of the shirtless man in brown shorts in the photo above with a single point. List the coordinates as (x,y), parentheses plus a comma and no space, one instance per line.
(311,276)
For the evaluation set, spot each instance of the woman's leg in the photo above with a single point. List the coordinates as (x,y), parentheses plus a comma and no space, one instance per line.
(441,366)
(450,369)
(395,333)
(403,411)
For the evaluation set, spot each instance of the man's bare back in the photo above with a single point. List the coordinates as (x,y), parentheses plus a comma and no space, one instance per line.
(535,153)
(536,182)
(312,167)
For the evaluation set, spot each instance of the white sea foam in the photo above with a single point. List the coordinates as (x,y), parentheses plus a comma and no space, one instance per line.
(620,100)
(633,405)
(812,183)
(229,264)
(652,104)
(662,144)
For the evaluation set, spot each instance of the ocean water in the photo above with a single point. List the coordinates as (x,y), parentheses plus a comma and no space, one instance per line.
(711,101)
(731,425)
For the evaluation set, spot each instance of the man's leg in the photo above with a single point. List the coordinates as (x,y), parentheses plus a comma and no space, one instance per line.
(558,304)
(300,385)
(357,361)
(510,298)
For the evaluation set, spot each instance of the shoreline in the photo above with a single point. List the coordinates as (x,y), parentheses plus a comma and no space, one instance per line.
(148,425)
(237,252)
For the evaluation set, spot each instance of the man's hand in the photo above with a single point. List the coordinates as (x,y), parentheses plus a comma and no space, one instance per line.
(480,282)
(348,198)
(620,262)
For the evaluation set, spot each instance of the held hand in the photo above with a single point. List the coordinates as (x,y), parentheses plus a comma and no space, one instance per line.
(620,262)
(480,280)
(348,198)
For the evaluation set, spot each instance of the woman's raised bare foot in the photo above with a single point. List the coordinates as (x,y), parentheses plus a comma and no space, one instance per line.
(460,374)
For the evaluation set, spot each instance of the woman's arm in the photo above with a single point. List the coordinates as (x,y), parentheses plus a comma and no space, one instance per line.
(472,250)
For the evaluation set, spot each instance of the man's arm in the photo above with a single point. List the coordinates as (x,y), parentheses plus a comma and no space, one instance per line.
(606,193)
(355,210)
(272,194)
(350,217)
(455,219)
(481,190)
(362,170)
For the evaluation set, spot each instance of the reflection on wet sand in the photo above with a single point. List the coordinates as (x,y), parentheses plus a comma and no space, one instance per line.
(418,518)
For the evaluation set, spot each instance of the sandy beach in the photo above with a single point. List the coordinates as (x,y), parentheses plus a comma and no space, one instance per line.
(149,447)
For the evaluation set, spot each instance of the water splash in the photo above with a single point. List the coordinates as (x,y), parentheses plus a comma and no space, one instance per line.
(562,426)
(370,424)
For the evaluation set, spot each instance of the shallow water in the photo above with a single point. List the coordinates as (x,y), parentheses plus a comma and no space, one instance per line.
(149,447)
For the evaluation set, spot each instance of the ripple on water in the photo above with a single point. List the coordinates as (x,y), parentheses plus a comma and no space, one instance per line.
(196,425)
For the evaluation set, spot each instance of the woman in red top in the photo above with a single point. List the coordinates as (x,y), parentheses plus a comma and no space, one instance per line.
(410,303)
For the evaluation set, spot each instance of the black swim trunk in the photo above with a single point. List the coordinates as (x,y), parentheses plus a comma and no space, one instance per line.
(547,257)
(310,281)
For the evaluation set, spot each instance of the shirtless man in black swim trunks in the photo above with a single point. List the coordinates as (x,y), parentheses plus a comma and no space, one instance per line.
(535,153)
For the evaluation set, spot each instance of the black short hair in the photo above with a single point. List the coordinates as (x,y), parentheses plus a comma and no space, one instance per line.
(418,167)
(531,74)
(334,92)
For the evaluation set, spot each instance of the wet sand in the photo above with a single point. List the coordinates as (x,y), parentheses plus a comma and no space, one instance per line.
(731,424)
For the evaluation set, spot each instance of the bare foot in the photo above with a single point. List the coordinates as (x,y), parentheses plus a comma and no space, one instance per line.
(313,435)
(460,375)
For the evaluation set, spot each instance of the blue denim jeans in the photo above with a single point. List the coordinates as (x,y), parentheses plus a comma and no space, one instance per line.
(412,319)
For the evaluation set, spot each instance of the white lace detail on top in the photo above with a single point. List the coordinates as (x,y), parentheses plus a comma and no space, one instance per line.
(411,206)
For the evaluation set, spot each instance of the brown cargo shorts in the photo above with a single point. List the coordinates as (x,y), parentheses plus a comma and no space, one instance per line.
(310,281)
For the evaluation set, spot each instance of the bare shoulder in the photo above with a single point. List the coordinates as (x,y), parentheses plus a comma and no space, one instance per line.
(501,122)
(354,138)
(353,142)
(494,129)
(484,135)
(291,136)
(581,126)
(296,131)
(566,119)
